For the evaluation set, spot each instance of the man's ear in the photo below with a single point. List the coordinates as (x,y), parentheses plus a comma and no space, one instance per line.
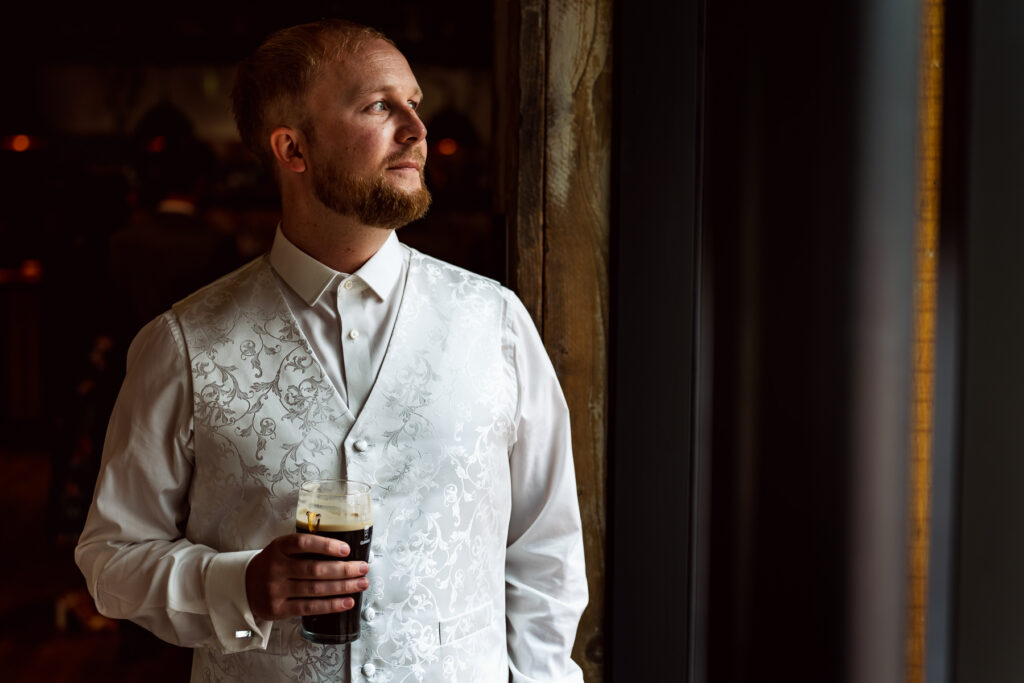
(287,145)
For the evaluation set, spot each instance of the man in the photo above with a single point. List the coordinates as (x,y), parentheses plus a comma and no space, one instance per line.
(342,354)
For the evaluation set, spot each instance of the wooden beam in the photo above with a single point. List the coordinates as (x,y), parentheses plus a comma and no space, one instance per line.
(575,305)
(925,309)
(553,70)
(520,31)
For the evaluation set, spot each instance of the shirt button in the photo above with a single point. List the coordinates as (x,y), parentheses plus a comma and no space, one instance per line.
(348,284)
(361,445)
(354,334)
(369,669)
(369,614)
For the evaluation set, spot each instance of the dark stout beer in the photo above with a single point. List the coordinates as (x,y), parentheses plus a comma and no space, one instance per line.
(339,627)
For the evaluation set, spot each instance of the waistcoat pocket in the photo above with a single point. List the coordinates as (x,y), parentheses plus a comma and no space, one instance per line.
(465,624)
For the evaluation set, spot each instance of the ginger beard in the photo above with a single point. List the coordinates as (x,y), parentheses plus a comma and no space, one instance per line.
(372,200)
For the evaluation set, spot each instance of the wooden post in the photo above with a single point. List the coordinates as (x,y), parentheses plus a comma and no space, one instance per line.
(577,209)
(553,68)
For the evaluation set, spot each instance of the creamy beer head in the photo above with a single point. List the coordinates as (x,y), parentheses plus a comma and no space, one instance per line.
(332,521)
(333,505)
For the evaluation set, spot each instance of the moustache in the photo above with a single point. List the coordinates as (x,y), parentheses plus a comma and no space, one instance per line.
(414,157)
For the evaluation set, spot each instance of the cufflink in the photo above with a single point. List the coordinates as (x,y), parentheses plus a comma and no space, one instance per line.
(243,634)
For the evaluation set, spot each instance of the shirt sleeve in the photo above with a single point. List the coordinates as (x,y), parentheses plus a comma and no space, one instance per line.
(545,577)
(137,562)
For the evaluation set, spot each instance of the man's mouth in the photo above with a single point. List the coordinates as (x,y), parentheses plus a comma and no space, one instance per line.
(414,163)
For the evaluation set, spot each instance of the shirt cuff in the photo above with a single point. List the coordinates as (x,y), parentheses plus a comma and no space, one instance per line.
(234,625)
(574,676)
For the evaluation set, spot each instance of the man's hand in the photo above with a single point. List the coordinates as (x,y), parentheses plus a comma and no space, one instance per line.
(285,580)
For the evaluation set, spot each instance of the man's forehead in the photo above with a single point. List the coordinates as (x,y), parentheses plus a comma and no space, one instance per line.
(376,66)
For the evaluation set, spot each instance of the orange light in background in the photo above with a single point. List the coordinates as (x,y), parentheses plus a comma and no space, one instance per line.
(447,147)
(21,142)
(31,270)
(157,144)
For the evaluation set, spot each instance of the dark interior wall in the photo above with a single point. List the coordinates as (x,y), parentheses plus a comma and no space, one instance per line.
(990,600)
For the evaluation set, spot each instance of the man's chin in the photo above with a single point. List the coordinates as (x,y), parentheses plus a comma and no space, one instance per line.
(403,185)
(393,209)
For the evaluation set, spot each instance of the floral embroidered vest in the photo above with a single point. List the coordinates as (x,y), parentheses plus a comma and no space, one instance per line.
(432,440)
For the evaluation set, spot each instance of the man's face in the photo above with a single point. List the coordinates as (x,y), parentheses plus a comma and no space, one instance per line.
(367,146)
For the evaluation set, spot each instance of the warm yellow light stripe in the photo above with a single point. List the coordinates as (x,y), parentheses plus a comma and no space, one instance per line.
(925,286)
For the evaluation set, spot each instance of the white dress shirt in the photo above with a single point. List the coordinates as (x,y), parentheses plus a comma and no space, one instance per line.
(132,553)
(347,319)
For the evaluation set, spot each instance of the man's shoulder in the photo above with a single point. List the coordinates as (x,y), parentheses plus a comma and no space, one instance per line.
(208,313)
(226,282)
(434,268)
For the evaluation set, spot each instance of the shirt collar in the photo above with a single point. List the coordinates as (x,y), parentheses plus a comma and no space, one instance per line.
(310,278)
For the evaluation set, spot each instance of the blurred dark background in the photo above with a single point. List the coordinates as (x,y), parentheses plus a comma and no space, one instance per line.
(123,186)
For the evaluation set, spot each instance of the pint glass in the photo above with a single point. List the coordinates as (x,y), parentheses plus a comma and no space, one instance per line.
(340,509)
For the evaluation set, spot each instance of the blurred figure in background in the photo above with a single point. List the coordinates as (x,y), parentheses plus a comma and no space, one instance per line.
(164,252)
(167,251)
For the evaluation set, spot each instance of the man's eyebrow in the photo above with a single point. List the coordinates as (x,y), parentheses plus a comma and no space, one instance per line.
(363,92)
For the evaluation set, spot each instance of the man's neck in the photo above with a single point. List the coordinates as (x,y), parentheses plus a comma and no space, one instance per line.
(340,242)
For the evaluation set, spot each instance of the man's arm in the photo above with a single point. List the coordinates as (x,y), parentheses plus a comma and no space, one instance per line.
(137,563)
(133,551)
(545,578)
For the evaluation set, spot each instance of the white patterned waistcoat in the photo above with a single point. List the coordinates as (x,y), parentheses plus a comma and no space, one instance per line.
(432,440)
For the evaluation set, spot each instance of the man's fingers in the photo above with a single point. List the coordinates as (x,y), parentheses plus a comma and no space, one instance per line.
(325,606)
(301,607)
(303,589)
(299,574)
(327,570)
(311,544)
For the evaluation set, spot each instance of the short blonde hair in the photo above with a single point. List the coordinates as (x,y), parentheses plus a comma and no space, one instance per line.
(271,84)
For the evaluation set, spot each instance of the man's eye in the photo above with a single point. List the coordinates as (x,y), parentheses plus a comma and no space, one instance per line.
(413,105)
(378,106)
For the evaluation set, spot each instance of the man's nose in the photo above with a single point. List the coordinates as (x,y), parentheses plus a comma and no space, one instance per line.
(412,128)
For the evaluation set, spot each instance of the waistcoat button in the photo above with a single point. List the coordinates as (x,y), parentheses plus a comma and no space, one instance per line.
(369,669)
(361,445)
